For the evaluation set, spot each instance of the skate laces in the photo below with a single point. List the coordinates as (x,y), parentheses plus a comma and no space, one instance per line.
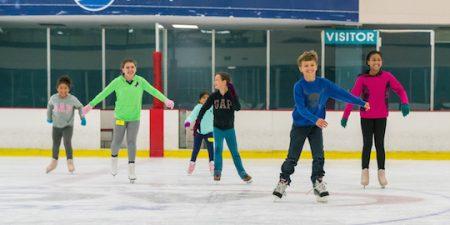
(321,186)
(281,187)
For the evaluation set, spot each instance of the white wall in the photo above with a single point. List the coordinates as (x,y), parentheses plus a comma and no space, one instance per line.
(269,130)
(28,128)
(404,12)
(171,138)
(256,130)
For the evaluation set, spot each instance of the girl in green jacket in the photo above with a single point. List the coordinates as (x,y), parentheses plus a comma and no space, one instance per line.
(129,88)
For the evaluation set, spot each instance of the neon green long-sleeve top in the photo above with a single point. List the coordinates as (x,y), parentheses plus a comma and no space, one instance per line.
(128,97)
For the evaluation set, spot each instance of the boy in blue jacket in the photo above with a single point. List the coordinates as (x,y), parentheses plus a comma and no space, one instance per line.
(311,94)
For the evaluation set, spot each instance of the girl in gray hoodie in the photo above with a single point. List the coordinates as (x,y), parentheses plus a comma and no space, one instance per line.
(60,113)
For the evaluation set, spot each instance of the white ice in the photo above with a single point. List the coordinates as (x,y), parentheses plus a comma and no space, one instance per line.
(418,193)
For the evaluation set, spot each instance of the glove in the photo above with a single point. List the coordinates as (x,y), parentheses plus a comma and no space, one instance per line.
(197,127)
(83,122)
(86,109)
(187,124)
(344,122)
(49,121)
(405,109)
(231,89)
(169,103)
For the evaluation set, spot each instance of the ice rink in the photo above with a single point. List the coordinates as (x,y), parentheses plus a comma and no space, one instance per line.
(418,193)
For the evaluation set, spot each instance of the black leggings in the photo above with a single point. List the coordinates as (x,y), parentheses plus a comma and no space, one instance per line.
(62,133)
(373,129)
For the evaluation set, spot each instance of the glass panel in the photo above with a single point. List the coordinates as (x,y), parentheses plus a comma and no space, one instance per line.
(77,53)
(343,65)
(442,72)
(23,68)
(243,55)
(408,56)
(285,47)
(189,66)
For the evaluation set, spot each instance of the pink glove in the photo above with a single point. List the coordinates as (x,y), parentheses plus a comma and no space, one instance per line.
(86,109)
(169,104)
(187,124)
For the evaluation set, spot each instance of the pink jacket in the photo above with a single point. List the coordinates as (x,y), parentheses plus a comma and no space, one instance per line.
(375,90)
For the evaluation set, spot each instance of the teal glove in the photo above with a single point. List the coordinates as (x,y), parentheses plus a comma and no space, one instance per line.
(49,121)
(405,109)
(344,122)
(83,122)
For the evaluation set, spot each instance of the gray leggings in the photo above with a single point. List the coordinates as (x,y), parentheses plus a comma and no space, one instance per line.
(57,135)
(132,128)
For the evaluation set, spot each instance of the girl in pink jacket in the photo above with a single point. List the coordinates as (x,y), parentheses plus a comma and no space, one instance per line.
(373,87)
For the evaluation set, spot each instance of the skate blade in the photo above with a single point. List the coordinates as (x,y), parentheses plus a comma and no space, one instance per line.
(49,170)
(132,181)
(278,195)
(323,199)
(276,199)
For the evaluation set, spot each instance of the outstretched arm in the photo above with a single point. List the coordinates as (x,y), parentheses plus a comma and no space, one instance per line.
(356,91)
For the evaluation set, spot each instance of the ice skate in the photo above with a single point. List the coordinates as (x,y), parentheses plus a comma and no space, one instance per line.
(247,178)
(211,167)
(70,165)
(52,165)
(131,172)
(114,165)
(365,177)
(320,191)
(280,189)
(191,168)
(382,178)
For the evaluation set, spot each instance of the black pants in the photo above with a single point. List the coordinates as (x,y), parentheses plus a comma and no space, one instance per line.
(298,136)
(66,134)
(198,143)
(373,129)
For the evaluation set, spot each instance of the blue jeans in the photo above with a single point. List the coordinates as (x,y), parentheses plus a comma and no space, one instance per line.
(197,144)
(230,136)
(298,137)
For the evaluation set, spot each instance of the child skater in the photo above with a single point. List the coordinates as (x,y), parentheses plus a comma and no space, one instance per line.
(206,134)
(373,86)
(311,94)
(129,88)
(60,113)
(224,102)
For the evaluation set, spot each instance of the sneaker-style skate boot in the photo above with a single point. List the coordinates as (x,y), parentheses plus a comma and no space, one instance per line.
(280,189)
(320,191)
(247,178)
